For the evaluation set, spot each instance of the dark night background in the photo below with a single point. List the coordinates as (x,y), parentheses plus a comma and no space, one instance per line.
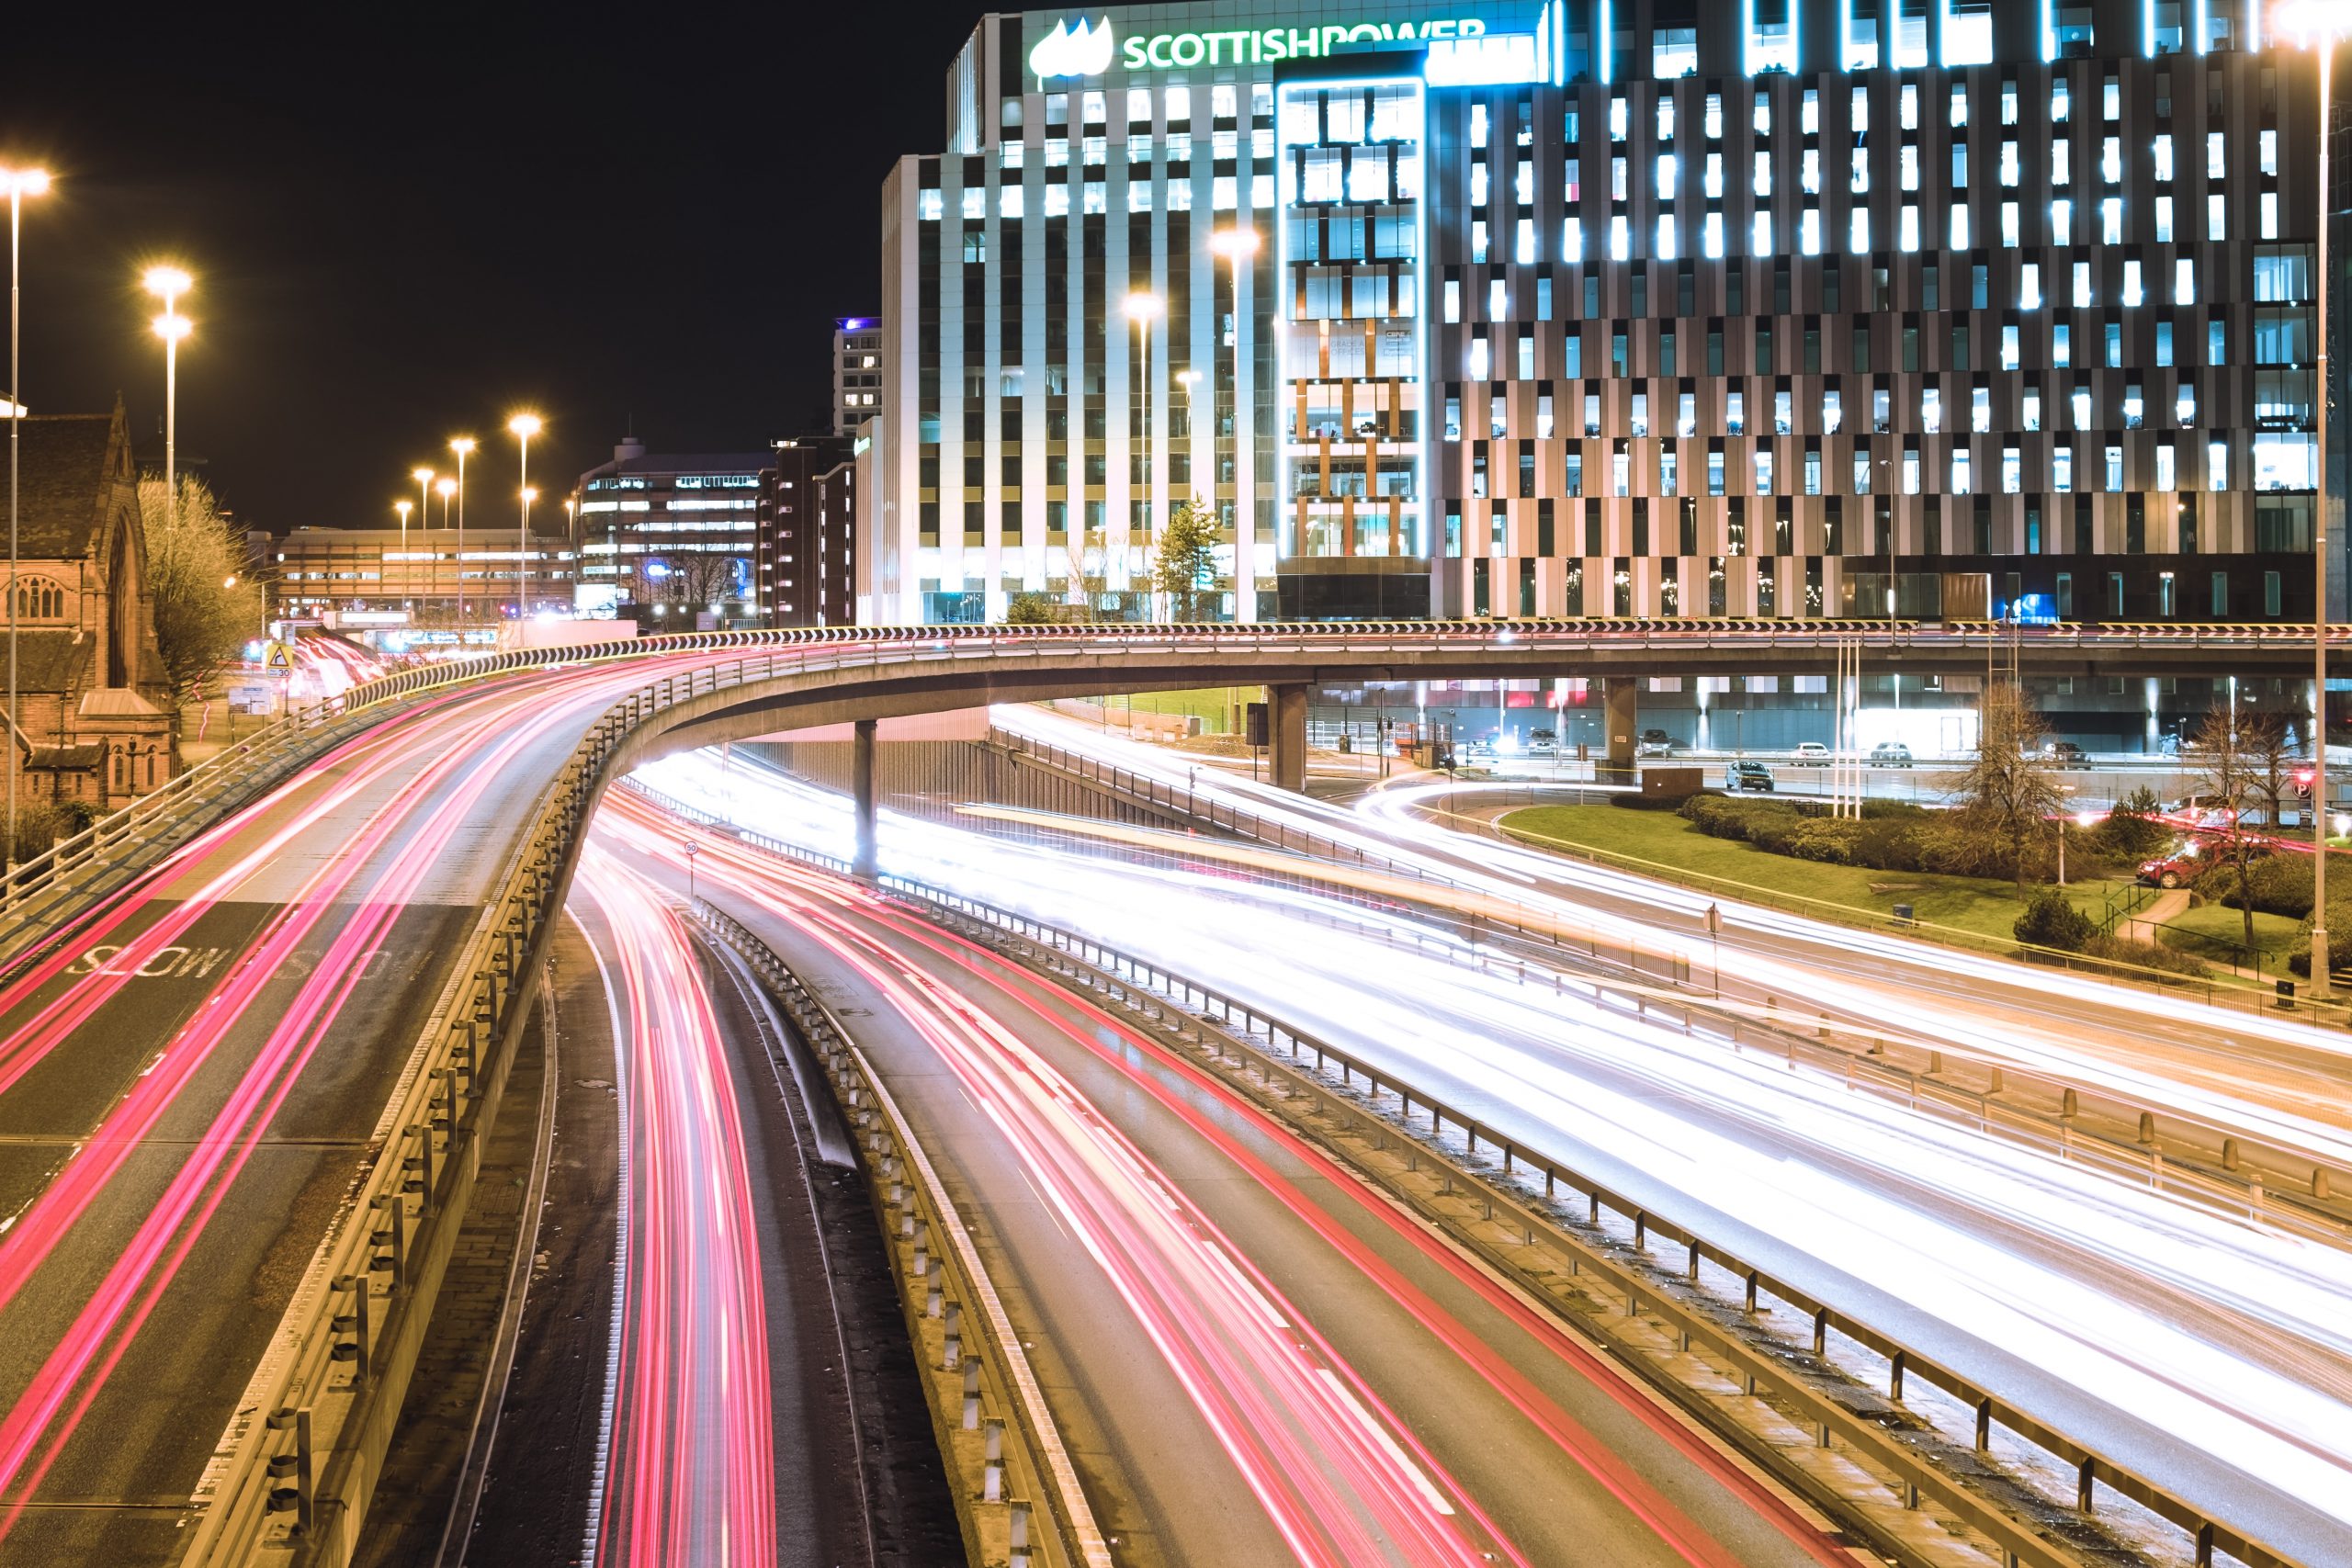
(406,221)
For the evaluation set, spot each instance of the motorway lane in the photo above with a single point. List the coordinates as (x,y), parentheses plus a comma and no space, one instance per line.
(1397,1411)
(2267,1077)
(2214,1354)
(689,1471)
(183,1113)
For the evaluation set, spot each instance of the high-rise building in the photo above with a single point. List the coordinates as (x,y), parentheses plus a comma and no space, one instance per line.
(1791,308)
(796,540)
(858,372)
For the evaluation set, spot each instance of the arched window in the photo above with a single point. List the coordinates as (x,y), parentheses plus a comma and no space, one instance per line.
(39,599)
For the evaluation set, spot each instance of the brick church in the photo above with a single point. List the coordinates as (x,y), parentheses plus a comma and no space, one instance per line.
(94,707)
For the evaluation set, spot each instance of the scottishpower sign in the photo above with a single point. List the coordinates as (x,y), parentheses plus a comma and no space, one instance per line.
(1081,49)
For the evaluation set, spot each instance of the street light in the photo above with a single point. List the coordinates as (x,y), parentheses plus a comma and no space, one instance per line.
(462,445)
(2322,24)
(444,487)
(1238,247)
(424,477)
(19,183)
(1143,308)
(403,508)
(167,284)
(522,426)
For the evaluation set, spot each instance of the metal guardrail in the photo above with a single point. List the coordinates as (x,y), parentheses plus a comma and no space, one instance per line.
(1000,1466)
(1283,1047)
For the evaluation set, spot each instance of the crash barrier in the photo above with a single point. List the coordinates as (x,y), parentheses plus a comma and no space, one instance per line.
(1016,1492)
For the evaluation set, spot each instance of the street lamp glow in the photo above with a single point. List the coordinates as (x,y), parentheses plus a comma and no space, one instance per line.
(463,446)
(24,181)
(1143,307)
(2311,21)
(530,494)
(167,283)
(404,508)
(172,327)
(1235,242)
(422,475)
(444,487)
(525,425)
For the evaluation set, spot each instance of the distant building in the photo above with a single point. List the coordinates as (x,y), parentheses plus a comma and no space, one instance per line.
(670,539)
(793,540)
(858,372)
(373,572)
(95,707)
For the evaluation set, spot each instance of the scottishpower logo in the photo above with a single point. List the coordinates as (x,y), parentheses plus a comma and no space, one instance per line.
(1069,51)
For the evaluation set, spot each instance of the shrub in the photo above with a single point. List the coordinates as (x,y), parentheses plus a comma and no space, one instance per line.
(2339,940)
(2052,921)
(1824,839)
(1635,800)
(2144,955)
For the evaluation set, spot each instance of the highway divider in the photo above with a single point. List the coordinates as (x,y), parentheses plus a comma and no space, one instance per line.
(1017,1493)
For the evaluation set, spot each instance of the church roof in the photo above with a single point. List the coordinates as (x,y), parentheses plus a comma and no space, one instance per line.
(67,464)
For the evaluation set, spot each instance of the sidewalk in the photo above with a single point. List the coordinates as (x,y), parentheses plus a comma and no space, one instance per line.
(2142,926)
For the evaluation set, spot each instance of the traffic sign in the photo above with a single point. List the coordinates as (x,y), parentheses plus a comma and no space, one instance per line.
(277,659)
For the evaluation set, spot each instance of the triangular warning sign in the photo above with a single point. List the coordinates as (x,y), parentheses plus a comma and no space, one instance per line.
(279,657)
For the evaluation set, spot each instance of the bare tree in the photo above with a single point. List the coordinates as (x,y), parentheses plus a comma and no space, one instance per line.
(692,580)
(2230,773)
(2007,789)
(2272,756)
(207,602)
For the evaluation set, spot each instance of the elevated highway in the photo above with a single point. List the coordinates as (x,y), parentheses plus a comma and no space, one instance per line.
(245,1064)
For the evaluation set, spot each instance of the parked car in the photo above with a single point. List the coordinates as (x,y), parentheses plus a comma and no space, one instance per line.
(1542,742)
(1813,754)
(1746,775)
(2066,754)
(2172,870)
(1890,754)
(1654,744)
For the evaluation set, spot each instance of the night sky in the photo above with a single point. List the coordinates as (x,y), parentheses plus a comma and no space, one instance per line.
(406,221)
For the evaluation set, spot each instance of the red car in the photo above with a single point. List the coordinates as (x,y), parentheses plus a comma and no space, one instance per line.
(2171,871)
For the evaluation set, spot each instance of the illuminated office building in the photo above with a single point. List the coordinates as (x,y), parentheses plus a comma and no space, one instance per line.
(1777,308)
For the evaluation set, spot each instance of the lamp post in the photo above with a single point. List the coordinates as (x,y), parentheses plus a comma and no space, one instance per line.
(522,426)
(424,477)
(19,183)
(1143,308)
(403,508)
(167,284)
(444,487)
(1238,247)
(462,445)
(2321,24)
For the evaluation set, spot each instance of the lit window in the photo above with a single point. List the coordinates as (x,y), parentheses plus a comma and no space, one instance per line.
(1763,180)
(2217,465)
(2216,225)
(1666,117)
(1832,416)
(2114,470)
(2009,224)
(1763,470)
(1910,166)
(1522,182)
(1861,110)
(2164,465)
(2110,160)
(2012,471)
(2062,468)
(1572,239)
(1710,235)
(1763,111)
(2029,286)
(1666,245)
(2267,151)
(1809,171)
(1008,199)
(1476,368)
(2110,221)
(1857,235)
(1478,181)
(2082,401)
(1686,415)
(1808,232)
(2009,169)
(2061,222)
(1980,410)
(2270,216)
(1960,474)
(975,204)
(1931,410)
(2183,406)
(1667,169)
(2184,281)
(2111,98)
(1861,181)
(2010,346)
(1617,118)
(1620,239)
(2062,345)
(2131,282)
(1960,225)
(2031,408)
(1714,117)
(1453,298)
(1906,234)
(2217,162)
(931,206)
(1497,301)
(2062,100)
(1809,113)
(1909,101)
(2164,159)
(1478,240)
(2164,221)
(1761,241)
(1617,178)
(1910,470)
(1523,242)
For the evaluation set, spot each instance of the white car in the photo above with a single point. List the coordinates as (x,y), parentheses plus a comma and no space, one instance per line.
(1813,754)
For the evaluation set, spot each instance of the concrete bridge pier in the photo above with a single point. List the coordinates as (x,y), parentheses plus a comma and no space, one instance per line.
(1623,695)
(862,791)
(1286,727)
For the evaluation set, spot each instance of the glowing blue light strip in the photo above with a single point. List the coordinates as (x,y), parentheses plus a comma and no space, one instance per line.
(2204,27)
(2147,27)
(2049,30)
(1845,34)
(1747,38)
(1560,43)
(1603,32)
(1943,29)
